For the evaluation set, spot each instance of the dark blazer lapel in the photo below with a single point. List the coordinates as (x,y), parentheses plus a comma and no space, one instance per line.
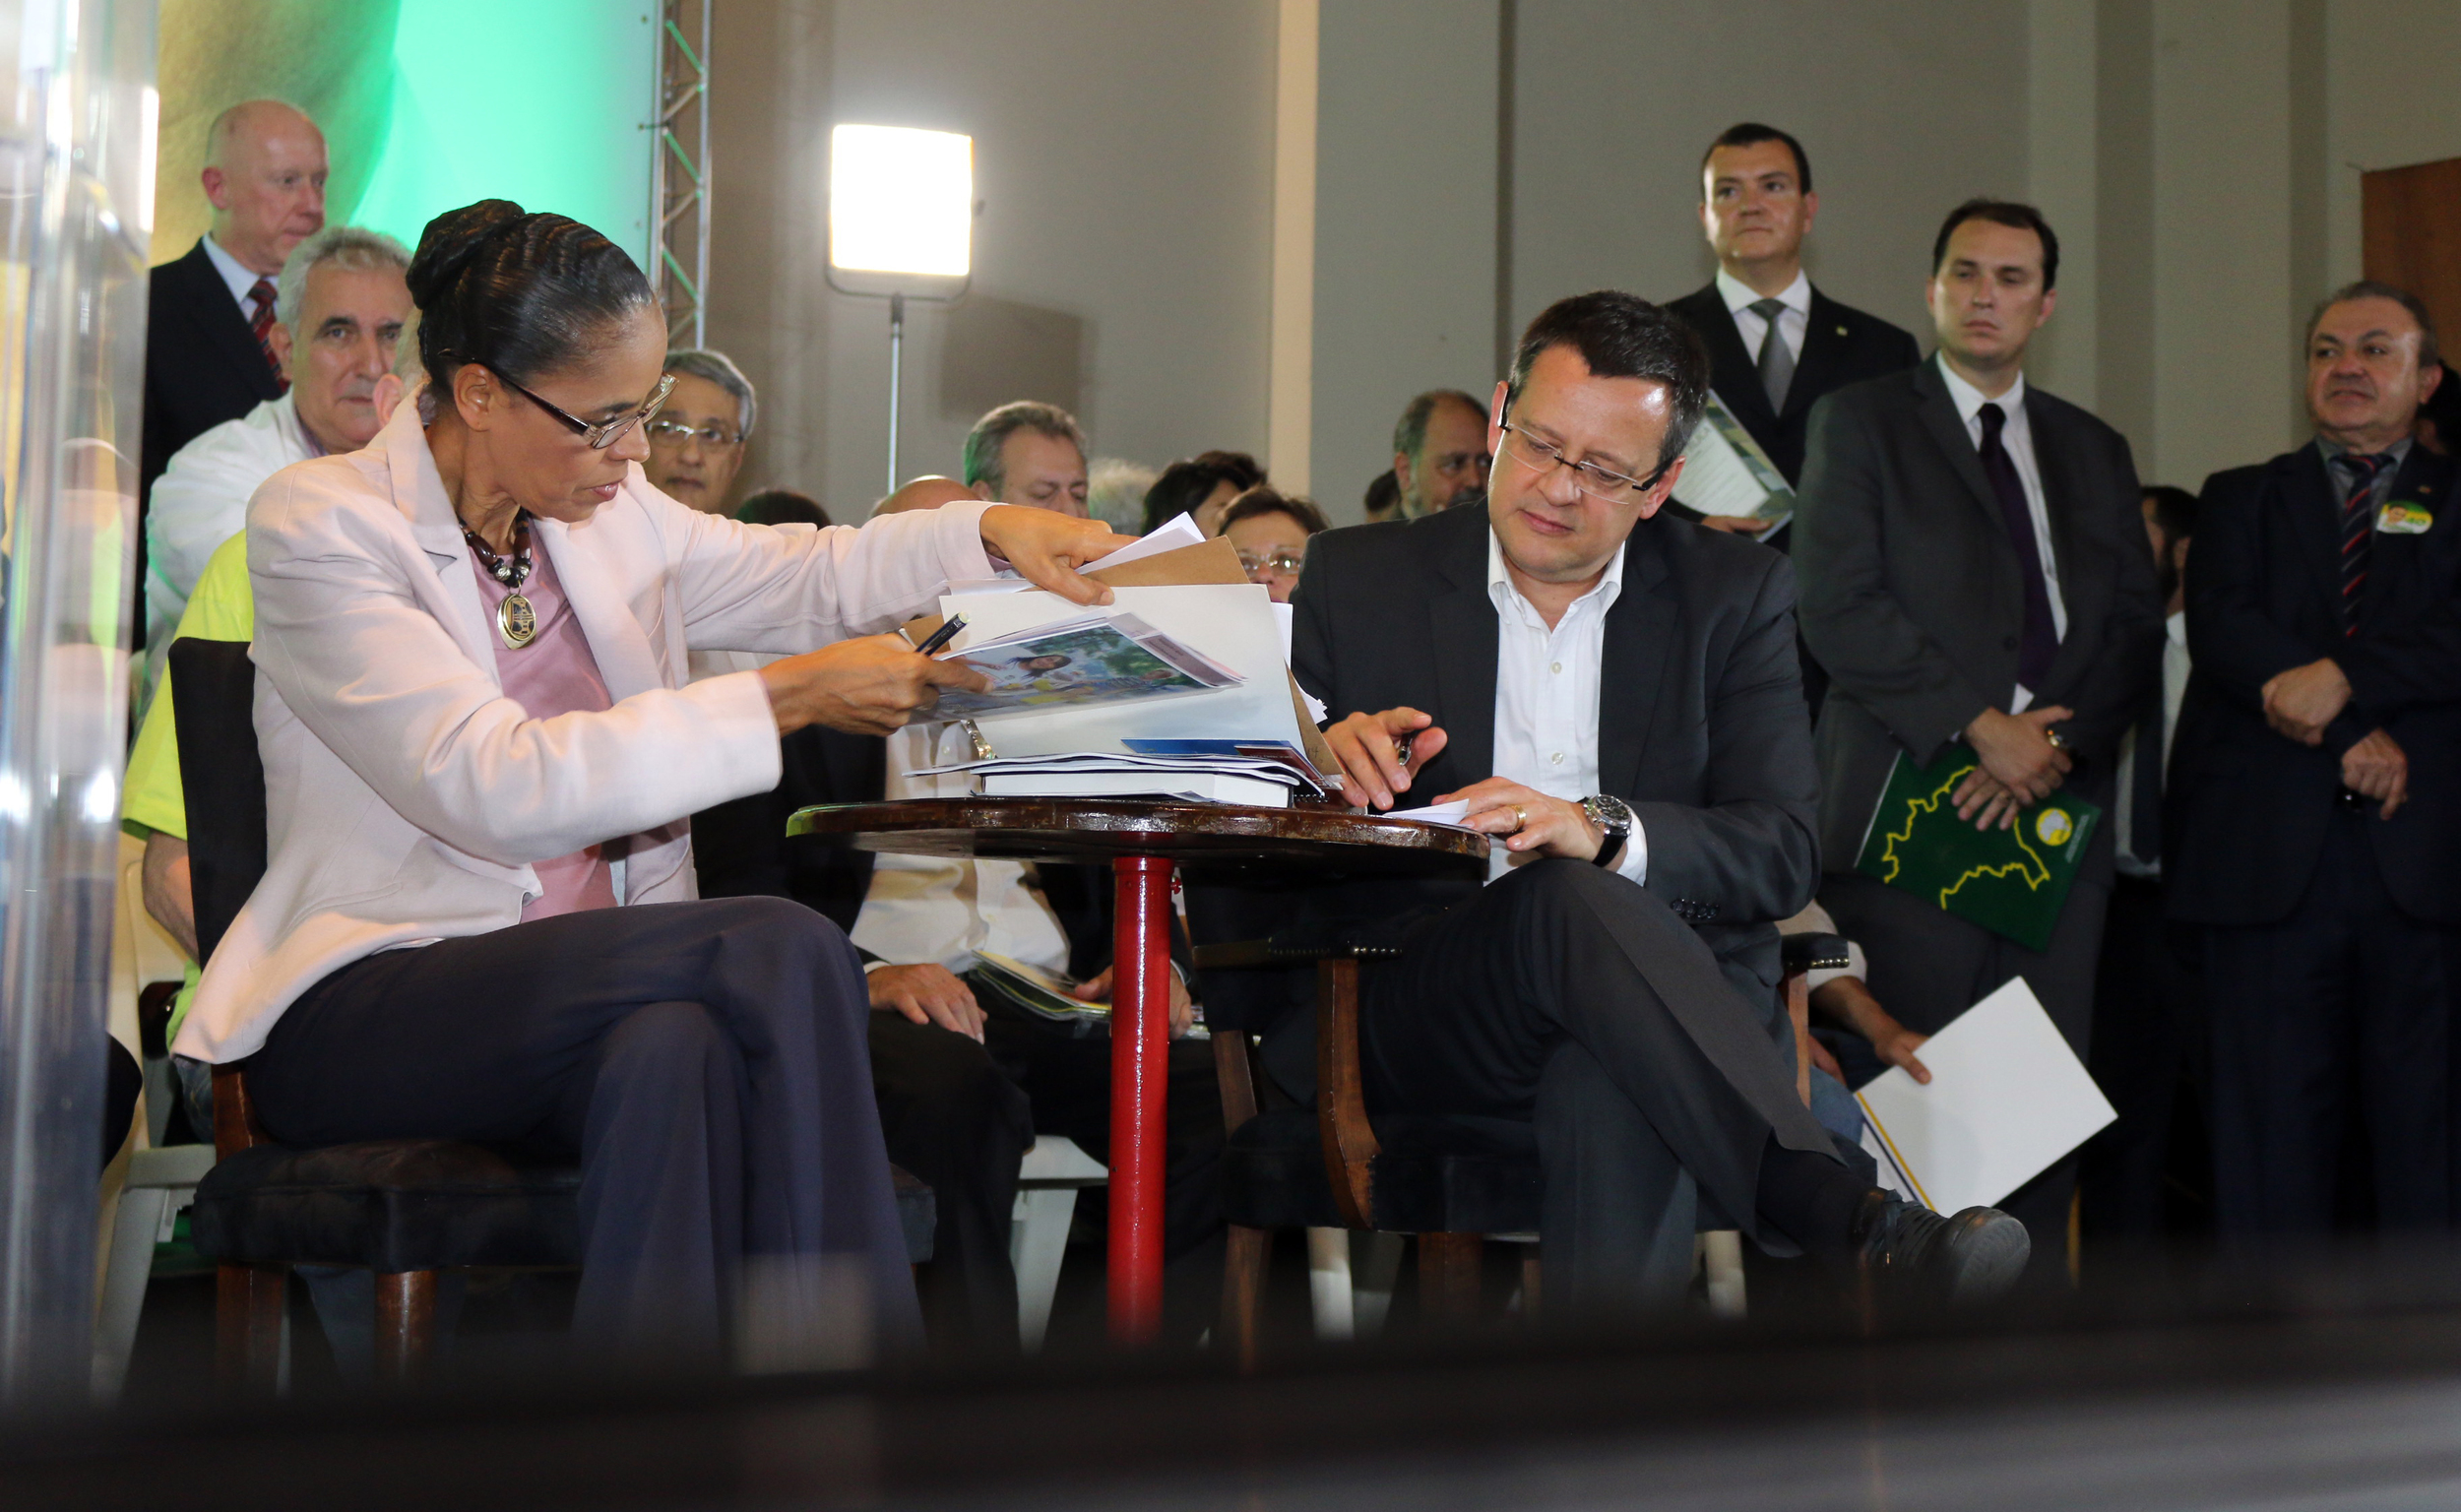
(216,316)
(1824,346)
(2423,483)
(1640,641)
(2307,495)
(2086,596)
(1939,416)
(1732,371)
(1461,634)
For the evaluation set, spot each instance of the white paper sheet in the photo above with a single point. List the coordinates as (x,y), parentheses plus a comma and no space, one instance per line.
(1181,532)
(1447,814)
(2007,1097)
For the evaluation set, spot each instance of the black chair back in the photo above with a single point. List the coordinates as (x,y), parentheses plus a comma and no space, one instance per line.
(213,699)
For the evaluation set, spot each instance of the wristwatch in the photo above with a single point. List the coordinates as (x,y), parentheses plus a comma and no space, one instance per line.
(1614,816)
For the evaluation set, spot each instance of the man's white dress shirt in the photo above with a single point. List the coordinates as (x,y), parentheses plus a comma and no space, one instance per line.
(1546,689)
(935,909)
(2174,668)
(1754,328)
(237,276)
(2017,436)
(201,500)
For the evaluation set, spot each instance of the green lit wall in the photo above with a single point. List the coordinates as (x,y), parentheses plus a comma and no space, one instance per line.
(427,104)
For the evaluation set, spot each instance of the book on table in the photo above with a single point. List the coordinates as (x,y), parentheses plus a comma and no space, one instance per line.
(2011,882)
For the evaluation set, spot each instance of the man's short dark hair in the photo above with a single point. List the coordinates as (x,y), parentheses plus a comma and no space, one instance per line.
(1263,500)
(2007,212)
(1752,133)
(1624,335)
(1410,432)
(2175,512)
(989,440)
(2429,353)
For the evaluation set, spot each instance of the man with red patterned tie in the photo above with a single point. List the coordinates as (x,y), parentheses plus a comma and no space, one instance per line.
(210,315)
(2314,828)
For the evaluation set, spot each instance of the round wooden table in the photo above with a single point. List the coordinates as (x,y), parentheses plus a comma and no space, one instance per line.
(1143,841)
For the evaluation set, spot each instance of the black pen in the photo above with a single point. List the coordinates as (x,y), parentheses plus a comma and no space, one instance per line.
(942,636)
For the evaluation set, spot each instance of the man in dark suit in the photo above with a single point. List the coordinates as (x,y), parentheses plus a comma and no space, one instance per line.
(210,315)
(1756,207)
(2314,829)
(1975,568)
(1614,697)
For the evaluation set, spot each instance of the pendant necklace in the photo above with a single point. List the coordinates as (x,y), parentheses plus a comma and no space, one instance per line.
(515,620)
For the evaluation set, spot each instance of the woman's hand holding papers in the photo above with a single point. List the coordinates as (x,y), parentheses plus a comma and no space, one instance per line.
(1096,989)
(867,686)
(1047,547)
(928,995)
(1370,748)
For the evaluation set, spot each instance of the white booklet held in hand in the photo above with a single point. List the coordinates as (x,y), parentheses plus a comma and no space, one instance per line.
(2007,1097)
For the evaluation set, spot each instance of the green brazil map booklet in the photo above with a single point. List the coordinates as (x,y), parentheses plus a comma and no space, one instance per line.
(2009,881)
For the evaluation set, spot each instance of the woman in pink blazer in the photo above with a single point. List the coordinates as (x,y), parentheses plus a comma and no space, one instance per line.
(477,917)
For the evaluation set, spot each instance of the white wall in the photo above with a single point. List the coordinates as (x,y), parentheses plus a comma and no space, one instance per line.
(1123,153)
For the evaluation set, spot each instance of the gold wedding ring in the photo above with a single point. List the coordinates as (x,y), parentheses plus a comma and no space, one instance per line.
(1521,818)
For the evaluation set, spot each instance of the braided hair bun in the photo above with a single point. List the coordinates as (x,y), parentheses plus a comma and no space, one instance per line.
(526,293)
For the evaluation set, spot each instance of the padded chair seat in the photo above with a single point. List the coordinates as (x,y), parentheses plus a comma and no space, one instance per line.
(419,1205)
(1432,1175)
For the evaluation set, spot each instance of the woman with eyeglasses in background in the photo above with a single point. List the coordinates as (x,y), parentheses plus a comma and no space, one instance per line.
(477,917)
(1271,531)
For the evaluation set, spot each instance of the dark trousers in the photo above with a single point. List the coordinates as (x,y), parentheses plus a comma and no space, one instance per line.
(2148,1051)
(1567,996)
(2337,1014)
(704,1061)
(1928,965)
(960,1117)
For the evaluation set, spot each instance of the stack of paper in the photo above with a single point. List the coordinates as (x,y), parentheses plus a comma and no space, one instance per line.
(2006,1099)
(1035,990)
(1726,473)
(1082,660)
(1260,774)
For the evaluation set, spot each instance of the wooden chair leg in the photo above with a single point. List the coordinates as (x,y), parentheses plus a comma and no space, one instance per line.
(1448,1274)
(1243,1292)
(406,1325)
(248,1310)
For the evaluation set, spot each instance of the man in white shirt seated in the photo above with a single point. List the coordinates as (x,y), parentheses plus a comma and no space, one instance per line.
(339,310)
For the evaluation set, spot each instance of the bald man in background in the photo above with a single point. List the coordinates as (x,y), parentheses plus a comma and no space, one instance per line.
(210,315)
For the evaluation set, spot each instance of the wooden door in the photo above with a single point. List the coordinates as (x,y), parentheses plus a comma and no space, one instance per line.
(2412,236)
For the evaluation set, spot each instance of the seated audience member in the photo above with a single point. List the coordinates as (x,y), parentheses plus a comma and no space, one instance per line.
(339,311)
(1271,532)
(782,506)
(929,491)
(1115,491)
(2148,1035)
(2313,832)
(1439,452)
(1029,453)
(1202,485)
(513,771)
(1383,499)
(1615,697)
(965,1078)
(2439,414)
(698,442)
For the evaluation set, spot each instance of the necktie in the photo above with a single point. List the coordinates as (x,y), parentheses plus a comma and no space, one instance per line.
(1776,364)
(261,326)
(2357,528)
(2041,641)
(2144,817)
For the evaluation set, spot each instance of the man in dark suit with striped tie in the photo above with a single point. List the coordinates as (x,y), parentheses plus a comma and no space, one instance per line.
(2315,825)
(210,315)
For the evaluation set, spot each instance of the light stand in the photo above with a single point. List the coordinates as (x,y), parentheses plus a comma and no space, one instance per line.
(901,219)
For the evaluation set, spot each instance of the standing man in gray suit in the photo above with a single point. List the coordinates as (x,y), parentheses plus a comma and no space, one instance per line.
(1973,569)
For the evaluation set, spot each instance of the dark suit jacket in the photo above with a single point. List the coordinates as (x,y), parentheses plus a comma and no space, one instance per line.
(202,365)
(1841,345)
(2248,808)
(739,849)
(1913,602)
(1701,730)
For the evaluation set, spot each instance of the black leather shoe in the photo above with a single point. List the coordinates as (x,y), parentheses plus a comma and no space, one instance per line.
(1910,1252)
